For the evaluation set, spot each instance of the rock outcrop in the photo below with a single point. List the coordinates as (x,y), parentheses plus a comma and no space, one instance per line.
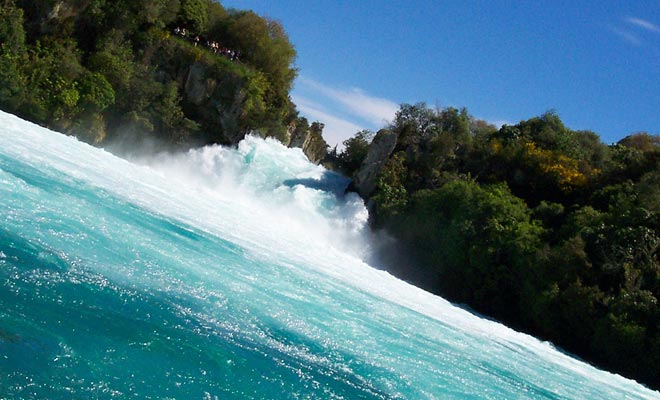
(311,141)
(47,17)
(215,103)
(380,150)
(198,88)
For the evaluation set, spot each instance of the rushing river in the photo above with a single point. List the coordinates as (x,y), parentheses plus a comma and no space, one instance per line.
(229,274)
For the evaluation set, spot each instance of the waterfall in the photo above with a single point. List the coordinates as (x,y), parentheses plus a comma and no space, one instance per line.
(232,274)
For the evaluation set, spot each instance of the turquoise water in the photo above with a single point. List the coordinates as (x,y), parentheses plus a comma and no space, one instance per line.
(229,274)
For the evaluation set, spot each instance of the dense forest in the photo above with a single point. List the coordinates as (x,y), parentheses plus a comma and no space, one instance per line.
(180,71)
(542,227)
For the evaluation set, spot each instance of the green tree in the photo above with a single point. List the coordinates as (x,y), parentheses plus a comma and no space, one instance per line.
(194,15)
(412,123)
(456,123)
(159,13)
(12,55)
(549,133)
(264,44)
(354,152)
(114,60)
(572,314)
(217,21)
(391,195)
(97,93)
(12,34)
(641,141)
(479,241)
(52,73)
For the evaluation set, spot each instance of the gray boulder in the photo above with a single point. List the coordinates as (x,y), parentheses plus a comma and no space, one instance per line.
(379,152)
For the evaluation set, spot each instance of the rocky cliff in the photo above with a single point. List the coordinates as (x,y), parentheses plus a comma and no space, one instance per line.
(379,151)
(309,139)
(216,102)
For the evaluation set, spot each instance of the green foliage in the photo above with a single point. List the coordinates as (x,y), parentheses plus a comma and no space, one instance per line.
(541,159)
(648,190)
(194,14)
(12,34)
(570,314)
(641,141)
(590,151)
(435,141)
(479,240)
(254,92)
(391,195)
(97,92)
(52,75)
(12,55)
(12,81)
(355,151)
(541,226)
(412,123)
(551,215)
(159,13)
(114,60)
(264,44)
(116,67)
(217,20)
(456,123)
(168,116)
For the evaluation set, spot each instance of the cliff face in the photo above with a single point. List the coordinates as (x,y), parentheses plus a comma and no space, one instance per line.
(310,140)
(379,151)
(216,102)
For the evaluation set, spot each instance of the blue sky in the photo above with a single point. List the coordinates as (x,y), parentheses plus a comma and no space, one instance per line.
(596,63)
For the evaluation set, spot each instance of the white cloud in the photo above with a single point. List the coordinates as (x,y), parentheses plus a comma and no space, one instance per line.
(356,102)
(343,111)
(336,130)
(628,37)
(644,24)
(346,111)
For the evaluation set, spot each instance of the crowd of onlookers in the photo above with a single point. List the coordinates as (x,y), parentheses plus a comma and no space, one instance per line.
(210,44)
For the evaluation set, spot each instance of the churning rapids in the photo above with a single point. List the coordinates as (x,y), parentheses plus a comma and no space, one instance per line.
(229,274)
